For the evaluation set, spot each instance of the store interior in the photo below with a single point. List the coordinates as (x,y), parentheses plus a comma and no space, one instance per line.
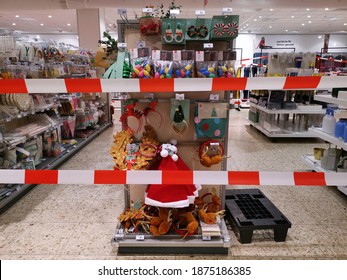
(254,87)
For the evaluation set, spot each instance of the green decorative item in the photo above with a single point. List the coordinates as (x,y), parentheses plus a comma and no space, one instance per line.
(173,31)
(198,29)
(224,27)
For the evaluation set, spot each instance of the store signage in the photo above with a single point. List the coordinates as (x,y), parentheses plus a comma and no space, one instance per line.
(199,12)
(284,43)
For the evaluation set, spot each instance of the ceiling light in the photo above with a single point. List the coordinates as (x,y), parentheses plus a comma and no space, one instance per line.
(260,16)
(310,22)
(14,23)
(255,19)
(50,16)
(41,24)
(327,9)
(307,9)
(345,24)
(110,24)
(270,26)
(37,36)
(286,30)
(309,16)
(303,24)
(271,10)
(247,24)
(17,16)
(319,37)
(68,24)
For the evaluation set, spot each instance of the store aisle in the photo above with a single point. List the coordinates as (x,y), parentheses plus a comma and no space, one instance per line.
(78,222)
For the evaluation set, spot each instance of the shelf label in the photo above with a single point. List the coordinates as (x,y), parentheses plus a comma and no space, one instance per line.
(227,10)
(208,45)
(122,11)
(199,56)
(134,53)
(199,12)
(156,54)
(121,45)
(174,12)
(214,97)
(179,96)
(140,237)
(177,55)
(147,10)
(206,238)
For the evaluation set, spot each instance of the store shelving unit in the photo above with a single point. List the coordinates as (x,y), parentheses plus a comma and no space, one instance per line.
(318,132)
(279,133)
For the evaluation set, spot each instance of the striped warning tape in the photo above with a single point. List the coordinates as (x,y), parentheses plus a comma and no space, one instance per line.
(168,85)
(90,177)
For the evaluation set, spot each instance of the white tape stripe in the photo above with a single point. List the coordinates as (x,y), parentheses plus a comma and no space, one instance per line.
(186,84)
(46,85)
(76,177)
(120,85)
(8,176)
(277,178)
(336,179)
(329,82)
(210,177)
(144,177)
(265,83)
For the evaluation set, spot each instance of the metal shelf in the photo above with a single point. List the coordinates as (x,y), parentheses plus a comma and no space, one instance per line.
(50,163)
(281,135)
(284,111)
(330,99)
(318,132)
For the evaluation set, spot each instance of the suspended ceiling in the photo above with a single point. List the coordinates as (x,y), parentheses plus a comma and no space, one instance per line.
(256,16)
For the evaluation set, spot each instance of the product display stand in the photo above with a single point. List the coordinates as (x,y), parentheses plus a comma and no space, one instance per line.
(188,145)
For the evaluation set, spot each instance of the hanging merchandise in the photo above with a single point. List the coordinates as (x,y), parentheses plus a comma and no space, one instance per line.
(173,31)
(198,29)
(151,113)
(210,119)
(178,196)
(141,63)
(131,112)
(224,27)
(211,152)
(149,25)
(179,115)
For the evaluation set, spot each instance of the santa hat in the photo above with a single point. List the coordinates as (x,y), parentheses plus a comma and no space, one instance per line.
(172,196)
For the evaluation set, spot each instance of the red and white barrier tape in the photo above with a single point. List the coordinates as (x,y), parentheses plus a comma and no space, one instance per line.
(91,177)
(169,85)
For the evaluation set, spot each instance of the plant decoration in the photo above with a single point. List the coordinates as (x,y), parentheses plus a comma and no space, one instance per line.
(111,44)
(159,12)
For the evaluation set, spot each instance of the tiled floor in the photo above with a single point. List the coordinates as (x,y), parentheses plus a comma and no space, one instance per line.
(78,222)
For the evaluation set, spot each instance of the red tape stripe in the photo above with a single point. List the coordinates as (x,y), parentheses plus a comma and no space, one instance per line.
(309,179)
(110,177)
(177,177)
(83,85)
(301,82)
(157,85)
(229,83)
(13,86)
(243,178)
(41,177)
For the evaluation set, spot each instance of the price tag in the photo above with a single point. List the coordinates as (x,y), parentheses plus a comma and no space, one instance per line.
(206,238)
(156,54)
(177,55)
(134,53)
(140,237)
(174,12)
(199,56)
(140,44)
(122,11)
(121,45)
(199,12)
(214,144)
(227,10)
(149,96)
(208,45)
(179,96)
(147,10)
(214,97)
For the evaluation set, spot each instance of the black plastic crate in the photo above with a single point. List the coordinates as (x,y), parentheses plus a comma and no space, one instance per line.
(250,209)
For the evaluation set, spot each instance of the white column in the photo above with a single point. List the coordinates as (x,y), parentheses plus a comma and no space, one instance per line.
(90,25)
